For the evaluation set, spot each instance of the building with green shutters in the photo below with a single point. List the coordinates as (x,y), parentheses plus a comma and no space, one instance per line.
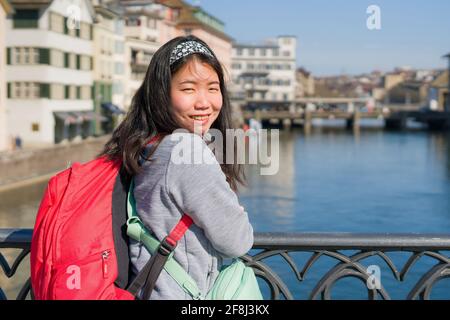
(49,71)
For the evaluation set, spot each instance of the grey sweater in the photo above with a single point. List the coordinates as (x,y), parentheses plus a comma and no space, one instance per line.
(165,190)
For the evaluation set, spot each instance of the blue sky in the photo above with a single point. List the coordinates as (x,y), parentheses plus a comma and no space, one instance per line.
(332,34)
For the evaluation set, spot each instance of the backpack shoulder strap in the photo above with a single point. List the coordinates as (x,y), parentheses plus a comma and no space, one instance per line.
(119,219)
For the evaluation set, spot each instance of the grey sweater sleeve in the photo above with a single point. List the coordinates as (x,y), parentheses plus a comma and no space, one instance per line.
(201,191)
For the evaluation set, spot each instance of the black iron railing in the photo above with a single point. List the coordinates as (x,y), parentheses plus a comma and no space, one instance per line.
(347,250)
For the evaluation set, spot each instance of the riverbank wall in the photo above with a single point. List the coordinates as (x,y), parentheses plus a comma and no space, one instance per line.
(31,164)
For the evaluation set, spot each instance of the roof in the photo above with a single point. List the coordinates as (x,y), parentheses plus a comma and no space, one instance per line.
(441,80)
(101,9)
(174,4)
(143,12)
(188,19)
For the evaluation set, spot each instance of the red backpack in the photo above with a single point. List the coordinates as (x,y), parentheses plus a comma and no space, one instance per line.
(78,246)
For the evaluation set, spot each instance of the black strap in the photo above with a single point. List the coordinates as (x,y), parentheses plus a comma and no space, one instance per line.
(146,278)
(119,221)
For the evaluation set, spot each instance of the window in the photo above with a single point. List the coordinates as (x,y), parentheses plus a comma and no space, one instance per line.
(72,61)
(44,90)
(17,89)
(57,58)
(250,66)
(133,22)
(85,31)
(8,55)
(286,53)
(44,56)
(263,52)
(23,90)
(119,47)
(17,56)
(239,52)
(66,60)
(236,66)
(56,22)
(36,90)
(117,88)
(25,18)
(26,90)
(85,92)
(72,30)
(57,92)
(119,69)
(275,52)
(35,53)
(251,52)
(85,62)
(118,27)
(25,55)
(72,92)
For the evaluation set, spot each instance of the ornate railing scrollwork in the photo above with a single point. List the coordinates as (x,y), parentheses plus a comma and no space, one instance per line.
(319,245)
(367,245)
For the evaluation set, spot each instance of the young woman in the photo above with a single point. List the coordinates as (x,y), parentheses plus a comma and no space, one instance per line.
(183,89)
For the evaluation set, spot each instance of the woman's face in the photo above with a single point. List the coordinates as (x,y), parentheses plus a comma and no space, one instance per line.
(196,96)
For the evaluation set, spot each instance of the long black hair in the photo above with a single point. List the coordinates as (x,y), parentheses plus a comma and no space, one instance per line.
(151,112)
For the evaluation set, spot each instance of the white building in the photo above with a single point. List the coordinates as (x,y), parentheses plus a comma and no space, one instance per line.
(49,71)
(142,36)
(5,9)
(265,72)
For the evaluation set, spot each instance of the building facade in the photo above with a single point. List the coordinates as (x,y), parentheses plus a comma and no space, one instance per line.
(305,85)
(109,67)
(5,9)
(438,93)
(49,71)
(265,72)
(142,35)
(193,20)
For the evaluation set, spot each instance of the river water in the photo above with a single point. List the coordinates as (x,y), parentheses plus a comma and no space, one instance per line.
(331,180)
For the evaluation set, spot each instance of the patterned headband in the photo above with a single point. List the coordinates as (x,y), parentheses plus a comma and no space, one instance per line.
(186,48)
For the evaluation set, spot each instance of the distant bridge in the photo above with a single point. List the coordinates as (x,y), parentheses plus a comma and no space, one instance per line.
(289,113)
